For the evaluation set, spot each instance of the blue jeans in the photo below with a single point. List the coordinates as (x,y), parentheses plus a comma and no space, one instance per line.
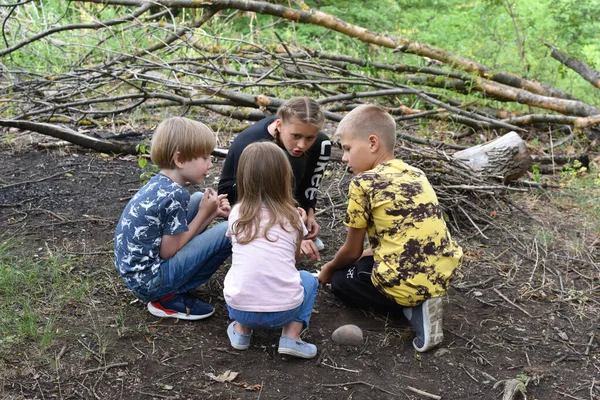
(193,264)
(272,320)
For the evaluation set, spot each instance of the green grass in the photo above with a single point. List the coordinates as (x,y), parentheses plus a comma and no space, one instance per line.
(34,290)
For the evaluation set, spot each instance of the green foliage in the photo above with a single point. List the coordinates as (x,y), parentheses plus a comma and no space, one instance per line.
(34,289)
(148,170)
(537,176)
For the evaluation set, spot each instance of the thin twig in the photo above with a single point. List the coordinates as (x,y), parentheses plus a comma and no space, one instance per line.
(423,393)
(104,368)
(370,385)
(37,180)
(512,303)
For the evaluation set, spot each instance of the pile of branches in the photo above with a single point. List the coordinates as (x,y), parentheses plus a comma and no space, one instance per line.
(157,55)
(183,65)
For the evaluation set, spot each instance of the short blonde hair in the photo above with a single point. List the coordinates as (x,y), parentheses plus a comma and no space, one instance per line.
(367,120)
(192,139)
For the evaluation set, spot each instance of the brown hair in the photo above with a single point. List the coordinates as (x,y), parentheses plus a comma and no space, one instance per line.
(299,110)
(192,139)
(264,178)
(366,120)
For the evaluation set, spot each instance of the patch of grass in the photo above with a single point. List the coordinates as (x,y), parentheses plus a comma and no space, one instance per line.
(34,290)
(584,190)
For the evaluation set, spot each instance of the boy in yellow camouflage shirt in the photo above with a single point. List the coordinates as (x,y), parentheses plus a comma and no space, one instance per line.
(412,258)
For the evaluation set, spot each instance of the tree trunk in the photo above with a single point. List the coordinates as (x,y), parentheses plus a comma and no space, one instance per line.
(506,157)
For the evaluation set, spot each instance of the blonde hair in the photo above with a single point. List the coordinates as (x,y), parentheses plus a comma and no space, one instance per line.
(264,178)
(367,120)
(192,139)
(303,110)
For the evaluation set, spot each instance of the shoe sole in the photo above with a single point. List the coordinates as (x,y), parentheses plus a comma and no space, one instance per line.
(432,324)
(157,312)
(295,353)
(239,346)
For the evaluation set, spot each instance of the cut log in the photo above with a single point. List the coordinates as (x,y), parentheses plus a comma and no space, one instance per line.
(506,157)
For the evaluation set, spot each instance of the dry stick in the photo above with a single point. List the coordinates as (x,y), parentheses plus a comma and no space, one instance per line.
(61,353)
(37,180)
(104,368)
(474,224)
(468,373)
(587,348)
(425,394)
(512,303)
(361,383)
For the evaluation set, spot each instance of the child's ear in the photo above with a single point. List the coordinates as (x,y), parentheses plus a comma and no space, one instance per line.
(177,160)
(374,142)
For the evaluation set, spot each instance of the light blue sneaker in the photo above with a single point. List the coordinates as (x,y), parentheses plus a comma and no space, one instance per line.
(296,348)
(239,341)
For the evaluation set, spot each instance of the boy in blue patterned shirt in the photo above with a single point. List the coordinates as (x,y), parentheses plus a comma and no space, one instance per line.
(162,247)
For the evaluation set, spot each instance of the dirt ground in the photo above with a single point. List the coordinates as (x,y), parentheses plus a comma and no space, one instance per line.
(524,314)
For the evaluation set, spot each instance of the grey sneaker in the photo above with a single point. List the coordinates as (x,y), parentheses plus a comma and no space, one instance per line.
(296,348)
(426,319)
(239,341)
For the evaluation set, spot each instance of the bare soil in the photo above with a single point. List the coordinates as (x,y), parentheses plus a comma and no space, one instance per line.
(524,309)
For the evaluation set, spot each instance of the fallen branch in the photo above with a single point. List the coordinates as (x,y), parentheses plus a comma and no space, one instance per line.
(585,71)
(70,135)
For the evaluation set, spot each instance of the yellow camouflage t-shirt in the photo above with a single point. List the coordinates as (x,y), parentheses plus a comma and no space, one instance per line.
(415,257)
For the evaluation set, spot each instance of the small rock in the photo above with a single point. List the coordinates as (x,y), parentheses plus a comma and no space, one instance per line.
(348,334)
(441,352)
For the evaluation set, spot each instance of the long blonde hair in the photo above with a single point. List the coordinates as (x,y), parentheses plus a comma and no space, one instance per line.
(264,178)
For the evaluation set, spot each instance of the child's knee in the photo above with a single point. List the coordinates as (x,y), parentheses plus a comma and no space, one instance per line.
(309,282)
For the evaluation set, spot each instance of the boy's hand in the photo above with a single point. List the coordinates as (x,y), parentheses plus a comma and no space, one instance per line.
(312,227)
(224,208)
(309,250)
(210,202)
(326,273)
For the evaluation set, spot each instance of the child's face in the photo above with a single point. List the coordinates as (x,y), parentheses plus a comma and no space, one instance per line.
(296,137)
(194,171)
(357,154)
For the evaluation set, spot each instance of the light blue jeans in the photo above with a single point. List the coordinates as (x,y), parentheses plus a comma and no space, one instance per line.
(193,264)
(272,320)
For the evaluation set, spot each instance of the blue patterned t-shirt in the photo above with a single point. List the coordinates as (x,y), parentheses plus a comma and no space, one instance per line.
(159,208)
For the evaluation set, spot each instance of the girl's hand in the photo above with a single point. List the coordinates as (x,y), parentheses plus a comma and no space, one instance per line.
(309,250)
(210,202)
(302,214)
(224,208)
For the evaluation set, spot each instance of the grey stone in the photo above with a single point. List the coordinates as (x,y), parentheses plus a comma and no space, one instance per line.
(350,335)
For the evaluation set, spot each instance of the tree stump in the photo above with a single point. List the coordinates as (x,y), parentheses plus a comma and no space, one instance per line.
(506,157)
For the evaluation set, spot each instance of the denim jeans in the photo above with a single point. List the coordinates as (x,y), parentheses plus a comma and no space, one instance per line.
(194,263)
(272,320)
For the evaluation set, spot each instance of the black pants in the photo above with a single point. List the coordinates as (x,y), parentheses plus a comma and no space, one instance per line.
(353,286)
